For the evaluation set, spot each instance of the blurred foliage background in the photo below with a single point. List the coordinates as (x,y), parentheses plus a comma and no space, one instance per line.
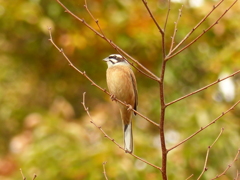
(44,129)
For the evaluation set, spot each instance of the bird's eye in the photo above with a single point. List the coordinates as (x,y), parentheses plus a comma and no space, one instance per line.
(113,57)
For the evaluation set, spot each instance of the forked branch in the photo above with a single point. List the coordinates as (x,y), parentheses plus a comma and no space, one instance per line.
(171,54)
(111,139)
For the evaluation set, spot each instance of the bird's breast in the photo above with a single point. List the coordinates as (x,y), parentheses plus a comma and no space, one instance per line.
(120,83)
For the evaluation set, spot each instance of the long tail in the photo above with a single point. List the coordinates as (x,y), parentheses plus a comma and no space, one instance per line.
(128,138)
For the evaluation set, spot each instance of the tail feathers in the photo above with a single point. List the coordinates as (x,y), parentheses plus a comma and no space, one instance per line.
(128,138)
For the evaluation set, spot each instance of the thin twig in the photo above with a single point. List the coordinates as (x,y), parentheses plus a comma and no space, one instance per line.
(203,88)
(104,170)
(189,177)
(96,20)
(168,12)
(202,128)
(108,40)
(93,83)
(236,178)
(111,139)
(34,176)
(24,178)
(207,155)
(175,28)
(229,166)
(170,55)
(153,18)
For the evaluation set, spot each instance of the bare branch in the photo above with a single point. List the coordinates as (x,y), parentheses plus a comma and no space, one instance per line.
(203,88)
(170,55)
(169,9)
(24,178)
(153,18)
(208,150)
(202,128)
(93,83)
(104,170)
(96,20)
(111,139)
(108,40)
(34,177)
(236,178)
(229,166)
(189,177)
(175,28)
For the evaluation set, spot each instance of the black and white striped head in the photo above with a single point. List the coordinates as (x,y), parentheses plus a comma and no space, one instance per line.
(115,59)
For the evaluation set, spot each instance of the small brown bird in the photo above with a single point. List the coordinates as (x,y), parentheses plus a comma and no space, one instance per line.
(122,85)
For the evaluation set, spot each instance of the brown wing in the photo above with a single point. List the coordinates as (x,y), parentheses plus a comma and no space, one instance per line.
(134,83)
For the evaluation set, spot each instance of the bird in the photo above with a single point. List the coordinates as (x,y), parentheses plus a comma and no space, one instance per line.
(122,85)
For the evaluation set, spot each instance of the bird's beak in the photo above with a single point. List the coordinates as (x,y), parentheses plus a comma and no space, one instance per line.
(106,59)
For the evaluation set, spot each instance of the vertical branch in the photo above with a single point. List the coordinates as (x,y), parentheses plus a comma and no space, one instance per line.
(166,21)
(23,177)
(175,28)
(104,170)
(162,121)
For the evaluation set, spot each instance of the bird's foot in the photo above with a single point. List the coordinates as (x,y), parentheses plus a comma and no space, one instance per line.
(113,97)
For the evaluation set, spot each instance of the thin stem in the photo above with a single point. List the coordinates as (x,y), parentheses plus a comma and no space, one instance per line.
(93,83)
(104,170)
(229,166)
(24,178)
(170,55)
(153,18)
(108,137)
(168,12)
(207,155)
(190,177)
(202,128)
(96,20)
(203,88)
(236,178)
(175,28)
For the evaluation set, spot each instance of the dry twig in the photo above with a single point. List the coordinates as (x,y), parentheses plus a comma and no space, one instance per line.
(24,178)
(104,170)
(190,177)
(208,150)
(229,166)
(175,28)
